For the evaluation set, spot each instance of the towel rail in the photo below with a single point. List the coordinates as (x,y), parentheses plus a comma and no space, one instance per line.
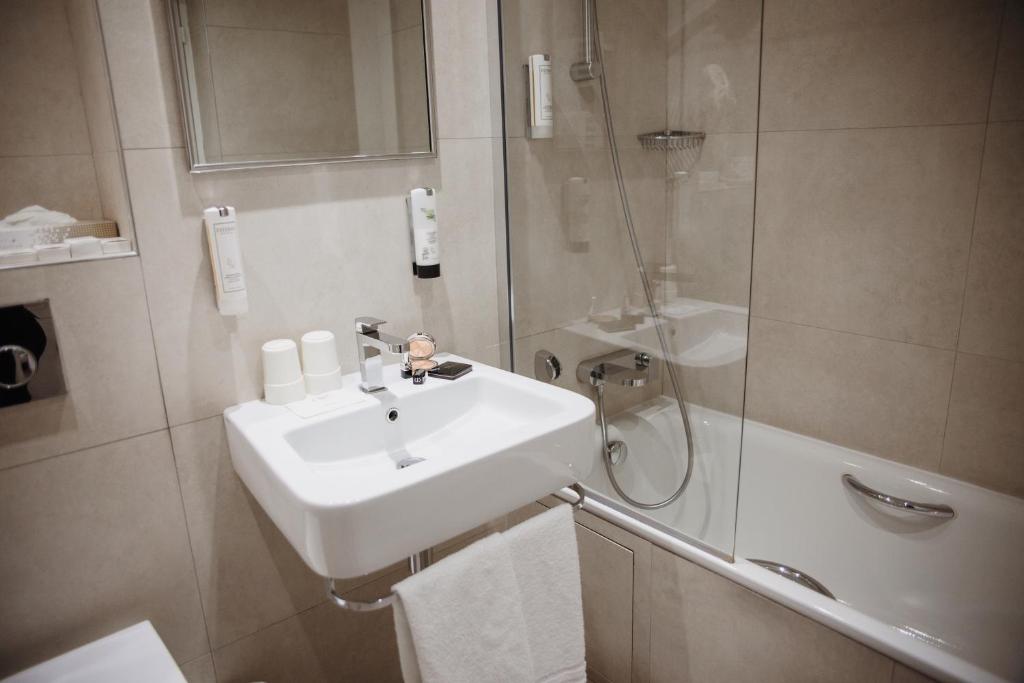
(417,563)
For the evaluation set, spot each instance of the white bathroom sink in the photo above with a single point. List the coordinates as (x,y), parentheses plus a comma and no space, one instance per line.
(489,442)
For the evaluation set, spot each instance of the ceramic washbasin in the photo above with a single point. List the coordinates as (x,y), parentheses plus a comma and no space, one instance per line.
(339,483)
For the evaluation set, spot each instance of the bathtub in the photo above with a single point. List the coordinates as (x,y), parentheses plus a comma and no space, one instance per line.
(945,597)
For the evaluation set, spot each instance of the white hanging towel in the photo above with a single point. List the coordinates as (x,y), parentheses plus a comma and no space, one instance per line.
(506,609)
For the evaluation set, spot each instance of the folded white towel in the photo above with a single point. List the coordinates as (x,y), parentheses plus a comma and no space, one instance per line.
(461,621)
(35,216)
(507,608)
(547,566)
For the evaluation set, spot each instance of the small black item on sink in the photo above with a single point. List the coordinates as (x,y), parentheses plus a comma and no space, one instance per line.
(450,370)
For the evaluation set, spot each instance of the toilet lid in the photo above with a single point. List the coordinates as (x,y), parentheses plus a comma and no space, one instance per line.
(128,656)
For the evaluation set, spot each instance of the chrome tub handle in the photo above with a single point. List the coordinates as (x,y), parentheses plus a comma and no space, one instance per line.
(929,509)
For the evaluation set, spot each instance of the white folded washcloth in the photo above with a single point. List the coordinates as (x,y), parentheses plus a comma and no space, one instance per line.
(506,608)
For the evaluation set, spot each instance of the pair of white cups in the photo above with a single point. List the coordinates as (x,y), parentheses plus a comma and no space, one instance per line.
(285,380)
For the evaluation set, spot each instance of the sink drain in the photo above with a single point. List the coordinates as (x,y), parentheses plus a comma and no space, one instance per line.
(406,462)
(392,415)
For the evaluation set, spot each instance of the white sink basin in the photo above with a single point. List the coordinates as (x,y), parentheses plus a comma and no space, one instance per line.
(490,442)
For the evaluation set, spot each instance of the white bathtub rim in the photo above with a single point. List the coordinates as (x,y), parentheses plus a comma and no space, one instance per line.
(882,637)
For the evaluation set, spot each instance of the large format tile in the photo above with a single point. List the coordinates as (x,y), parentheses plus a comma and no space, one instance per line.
(93,542)
(308,16)
(466,82)
(237,549)
(711,213)
(866,231)
(985,433)
(39,115)
(1007,93)
(606,573)
(345,228)
(885,398)
(706,628)
(993,322)
(842,64)
(61,183)
(200,670)
(142,72)
(320,645)
(714,54)
(282,93)
(106,348)
(902,674)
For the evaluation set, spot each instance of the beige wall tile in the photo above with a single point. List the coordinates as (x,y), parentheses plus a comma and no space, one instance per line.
(318,646)
(113,190)
(309,16)
(857,64)
(468,103)
(282,92)
(706,628)
(93,542)
(61,183)
(200,670)
(866,231)
(142,72)
(993,324)
(237,548)
(902,674)
(113,390)
(91,61)
(346,225)
(711,210)
(606,573)
(714,54)
(406,13)
(412,112)
(985,433)
(39,115)
(885,398)
(1007,94)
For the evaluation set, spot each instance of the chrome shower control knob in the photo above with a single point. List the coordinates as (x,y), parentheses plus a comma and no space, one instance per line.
(546,367)
(17,366)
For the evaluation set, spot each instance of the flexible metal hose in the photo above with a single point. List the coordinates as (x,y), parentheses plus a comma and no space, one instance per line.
(648,294)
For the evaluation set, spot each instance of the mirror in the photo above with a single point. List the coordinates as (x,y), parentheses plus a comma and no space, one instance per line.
(280,82)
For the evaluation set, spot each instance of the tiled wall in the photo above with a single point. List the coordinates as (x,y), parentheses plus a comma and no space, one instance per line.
(57,146)
(887,274)
(118,502)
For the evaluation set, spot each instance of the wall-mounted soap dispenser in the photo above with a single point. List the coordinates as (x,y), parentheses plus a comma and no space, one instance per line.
(540,122)
(426,243)
(226,260)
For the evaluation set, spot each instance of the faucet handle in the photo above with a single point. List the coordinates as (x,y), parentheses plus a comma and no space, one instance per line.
(367,323)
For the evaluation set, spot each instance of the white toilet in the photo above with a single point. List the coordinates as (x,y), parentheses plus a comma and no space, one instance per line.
(128,656)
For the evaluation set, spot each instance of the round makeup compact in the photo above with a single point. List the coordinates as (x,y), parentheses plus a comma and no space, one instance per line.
(419,356)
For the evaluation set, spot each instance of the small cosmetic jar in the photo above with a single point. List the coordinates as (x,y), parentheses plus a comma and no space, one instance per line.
(422,347)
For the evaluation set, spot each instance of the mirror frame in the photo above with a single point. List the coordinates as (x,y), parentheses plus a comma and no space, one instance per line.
(185,107)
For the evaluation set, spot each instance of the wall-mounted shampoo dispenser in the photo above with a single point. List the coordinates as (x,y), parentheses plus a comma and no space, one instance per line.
(540,99)
(426,244)
(226,260)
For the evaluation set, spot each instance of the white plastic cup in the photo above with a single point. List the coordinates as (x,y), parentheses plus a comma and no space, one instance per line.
(282,374)
(320,362)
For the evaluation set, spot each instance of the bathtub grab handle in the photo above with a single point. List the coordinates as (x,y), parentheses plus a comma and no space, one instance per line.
(930,509)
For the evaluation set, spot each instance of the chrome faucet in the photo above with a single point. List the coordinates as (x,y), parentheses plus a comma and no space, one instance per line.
(371,341)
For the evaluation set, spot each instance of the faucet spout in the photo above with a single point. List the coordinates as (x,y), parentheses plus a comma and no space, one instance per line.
(370,342)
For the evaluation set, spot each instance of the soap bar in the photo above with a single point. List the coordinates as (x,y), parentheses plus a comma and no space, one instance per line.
(115,245)
(84,247)
(17,257)
(48,253)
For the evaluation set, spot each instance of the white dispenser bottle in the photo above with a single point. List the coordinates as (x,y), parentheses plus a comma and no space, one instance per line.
(541,99)
(426,242)
(226,260)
